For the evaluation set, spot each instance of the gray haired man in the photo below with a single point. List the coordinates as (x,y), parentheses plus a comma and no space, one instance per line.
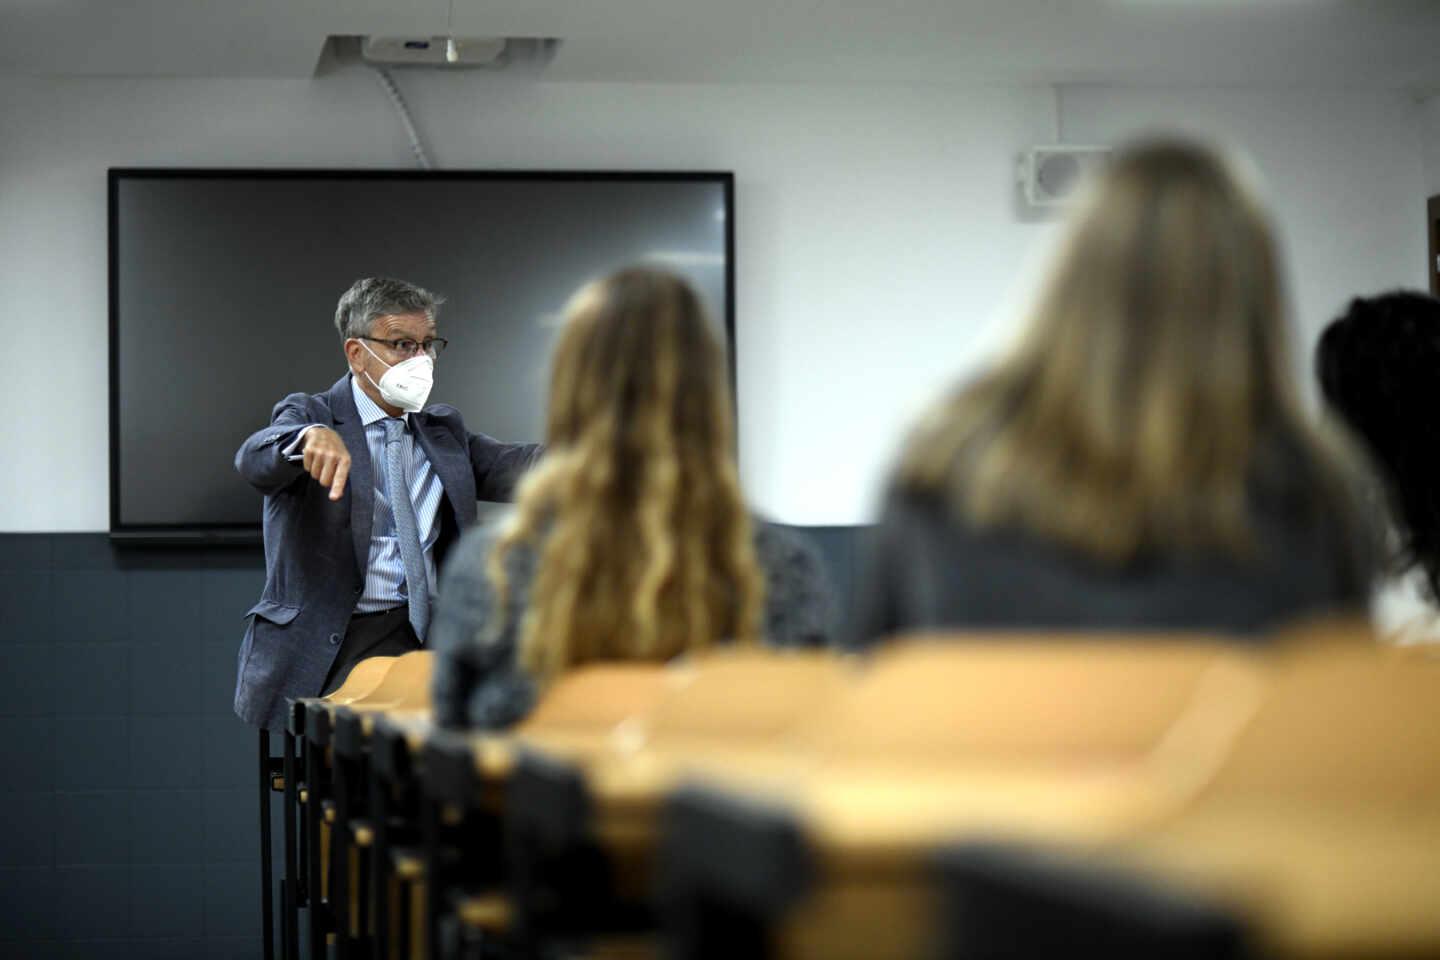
(366,488)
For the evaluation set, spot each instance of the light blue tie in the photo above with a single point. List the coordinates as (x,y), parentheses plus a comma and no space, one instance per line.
(407,530)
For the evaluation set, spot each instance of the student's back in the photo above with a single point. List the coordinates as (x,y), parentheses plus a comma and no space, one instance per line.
(630,540)
(927,571)
(1140,460)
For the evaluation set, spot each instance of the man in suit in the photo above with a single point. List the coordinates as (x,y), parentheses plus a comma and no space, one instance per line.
(365,490)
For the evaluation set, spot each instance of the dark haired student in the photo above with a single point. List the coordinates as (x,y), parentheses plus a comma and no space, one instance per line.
(1377,365)
(365,490)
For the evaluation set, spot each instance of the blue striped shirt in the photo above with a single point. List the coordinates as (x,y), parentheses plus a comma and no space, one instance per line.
(385,573)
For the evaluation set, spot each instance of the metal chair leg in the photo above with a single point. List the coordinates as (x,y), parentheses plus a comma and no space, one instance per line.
(380,860)
(340,857)
(315,864)
(428,920)
(290,946)
(267,893)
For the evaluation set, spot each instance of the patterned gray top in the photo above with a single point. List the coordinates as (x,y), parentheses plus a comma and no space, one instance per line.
(477,682)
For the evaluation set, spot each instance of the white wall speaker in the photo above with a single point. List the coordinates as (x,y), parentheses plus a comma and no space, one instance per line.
(1051,175)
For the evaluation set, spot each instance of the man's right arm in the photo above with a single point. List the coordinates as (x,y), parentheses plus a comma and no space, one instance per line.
(293,444)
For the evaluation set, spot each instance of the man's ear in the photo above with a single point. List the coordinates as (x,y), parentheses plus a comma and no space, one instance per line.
(355,354)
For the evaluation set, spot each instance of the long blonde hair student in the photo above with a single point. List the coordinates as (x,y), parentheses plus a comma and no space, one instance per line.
(644,543)
(1151,397)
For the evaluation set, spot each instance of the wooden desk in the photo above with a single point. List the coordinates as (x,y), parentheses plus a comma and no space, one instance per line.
(1300,792)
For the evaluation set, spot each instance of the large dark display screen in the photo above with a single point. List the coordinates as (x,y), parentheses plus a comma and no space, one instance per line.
(223,286)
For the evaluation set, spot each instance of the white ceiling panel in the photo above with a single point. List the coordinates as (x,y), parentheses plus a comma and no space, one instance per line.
(1373,44)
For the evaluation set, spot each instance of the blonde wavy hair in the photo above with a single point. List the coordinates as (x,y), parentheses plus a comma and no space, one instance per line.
(644,545)
(1152,392)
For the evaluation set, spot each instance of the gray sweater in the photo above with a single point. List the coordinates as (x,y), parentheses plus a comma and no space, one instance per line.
(477,682)
(924,570)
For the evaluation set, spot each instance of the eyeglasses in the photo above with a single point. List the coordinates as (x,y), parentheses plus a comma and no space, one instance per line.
(408,348)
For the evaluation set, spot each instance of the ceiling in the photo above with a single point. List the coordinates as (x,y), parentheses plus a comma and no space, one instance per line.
(1371,44)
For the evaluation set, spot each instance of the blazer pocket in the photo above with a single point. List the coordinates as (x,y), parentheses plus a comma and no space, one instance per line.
(277,613)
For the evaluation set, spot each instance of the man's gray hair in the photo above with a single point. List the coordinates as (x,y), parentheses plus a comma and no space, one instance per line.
(380,297)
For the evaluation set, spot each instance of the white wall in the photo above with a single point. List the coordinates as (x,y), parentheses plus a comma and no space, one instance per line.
(1344,173)
(879,247)
(1430,132)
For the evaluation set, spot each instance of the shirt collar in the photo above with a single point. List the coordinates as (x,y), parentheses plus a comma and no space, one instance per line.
(370,411)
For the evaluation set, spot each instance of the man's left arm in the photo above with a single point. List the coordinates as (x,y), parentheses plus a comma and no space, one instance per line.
(499,466)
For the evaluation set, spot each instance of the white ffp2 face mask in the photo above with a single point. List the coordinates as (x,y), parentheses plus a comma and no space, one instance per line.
(405,384)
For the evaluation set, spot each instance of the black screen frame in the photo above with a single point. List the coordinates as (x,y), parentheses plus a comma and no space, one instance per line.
(248,534)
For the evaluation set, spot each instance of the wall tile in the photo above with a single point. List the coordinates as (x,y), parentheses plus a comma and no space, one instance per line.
(27,752)
(168,901)
(32,950)
(168,752)
(86,608)
(91,606)
(165,678)
(26,551)
(130,634)
(188,948)
(838,549)
(92,753)
(227,594)
(233,948)
(27,606)
(167,826)
(167,606)
(84,551)
(92,828)
(27,683)
(232,824)
(94,902)
(92,678)
(231,756)
(27,829)
(232,899)
(193,557)
(97,950)
(217,695)
(27,904)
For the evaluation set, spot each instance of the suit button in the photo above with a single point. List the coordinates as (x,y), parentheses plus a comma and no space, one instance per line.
(334,639)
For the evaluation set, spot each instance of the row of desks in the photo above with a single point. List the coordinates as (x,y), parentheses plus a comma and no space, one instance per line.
(1282,799)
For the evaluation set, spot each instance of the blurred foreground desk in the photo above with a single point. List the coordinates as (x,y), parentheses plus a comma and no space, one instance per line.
(1293,789)
(582,813)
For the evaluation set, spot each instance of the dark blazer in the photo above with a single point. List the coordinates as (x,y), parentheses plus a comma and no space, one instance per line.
(317,550)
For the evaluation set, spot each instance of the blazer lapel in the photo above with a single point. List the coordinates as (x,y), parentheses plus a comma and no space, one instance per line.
(452,466)
(361,485)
